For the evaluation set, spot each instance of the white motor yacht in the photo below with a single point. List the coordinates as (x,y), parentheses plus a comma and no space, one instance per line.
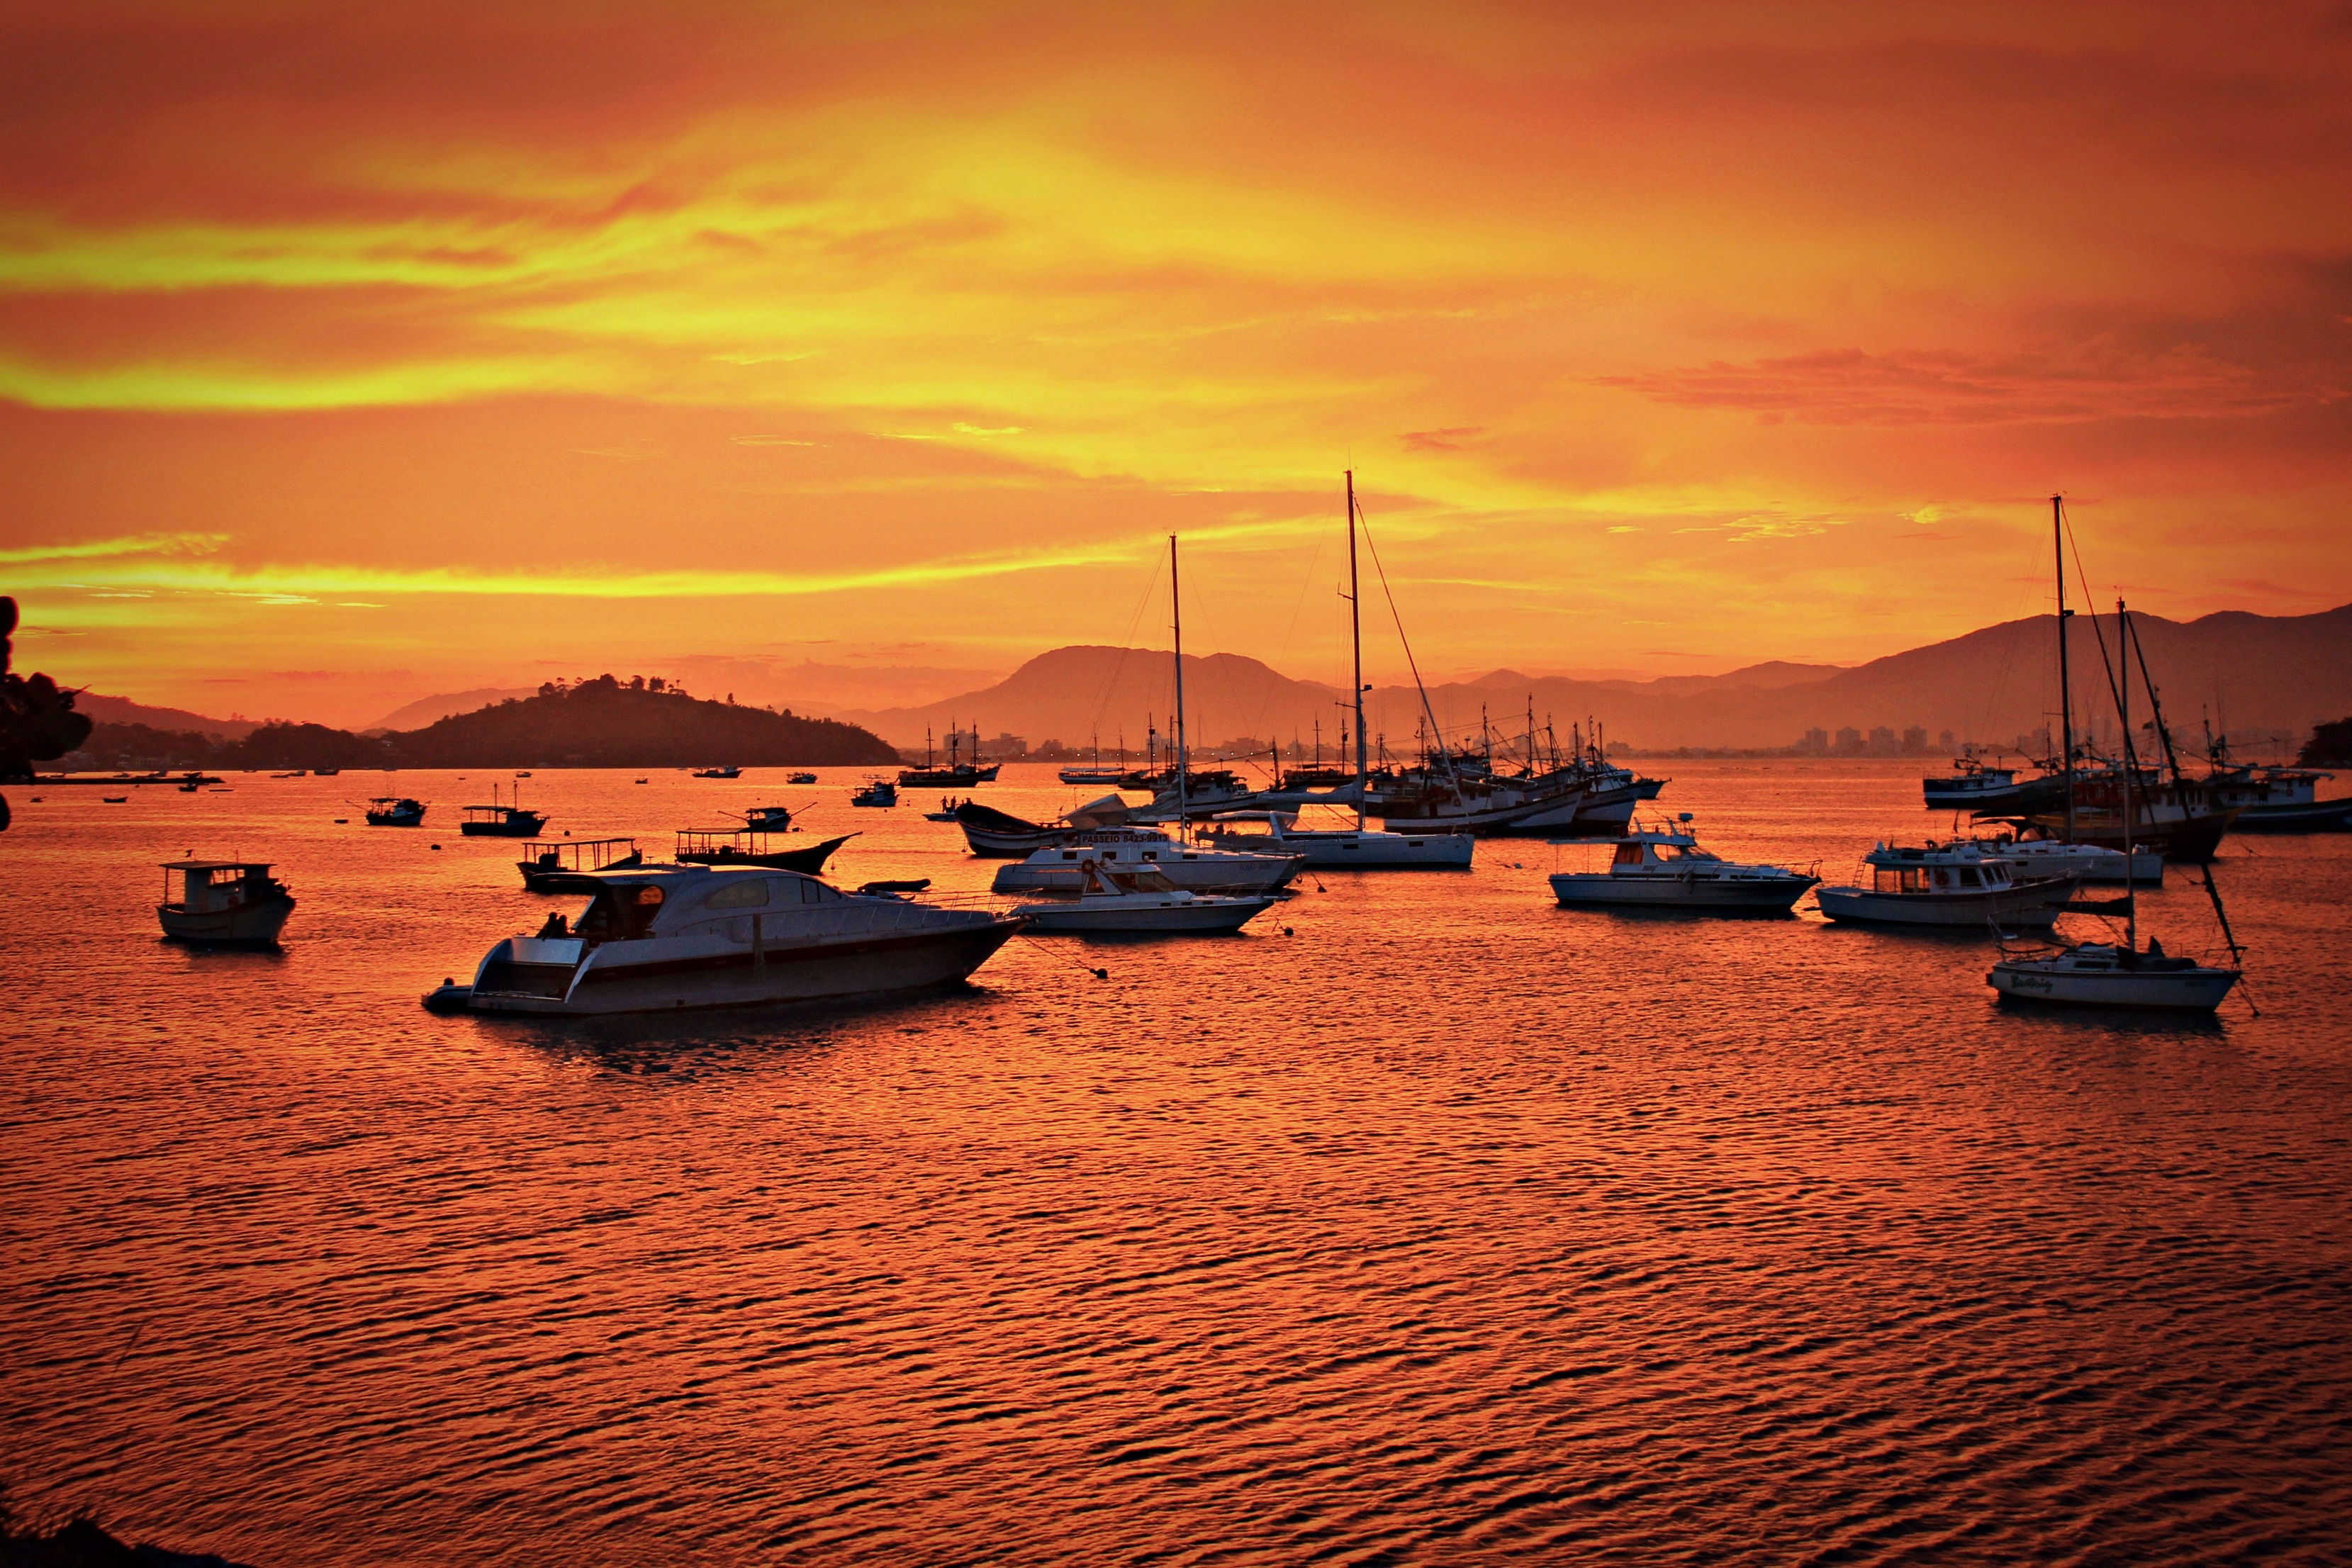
(1668,871)
(2107,975)
(230,903)
(1196,870)
(657,938)
(1957,884)
(1141,902)
(2030,858)
(1337,848)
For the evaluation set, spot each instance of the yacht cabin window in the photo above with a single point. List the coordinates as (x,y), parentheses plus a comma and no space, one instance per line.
(747,893)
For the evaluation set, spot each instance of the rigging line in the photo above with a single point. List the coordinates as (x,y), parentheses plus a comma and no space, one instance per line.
(1443,751)
(1127,643)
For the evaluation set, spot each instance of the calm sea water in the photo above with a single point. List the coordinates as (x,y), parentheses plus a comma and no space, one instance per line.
(1424,1222)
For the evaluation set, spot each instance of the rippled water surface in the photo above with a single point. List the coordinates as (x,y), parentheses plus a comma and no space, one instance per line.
(1424,1222)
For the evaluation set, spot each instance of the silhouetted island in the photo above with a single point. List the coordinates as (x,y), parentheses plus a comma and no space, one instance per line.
(610,723)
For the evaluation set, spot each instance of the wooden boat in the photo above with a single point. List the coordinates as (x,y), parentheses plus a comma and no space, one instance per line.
(658,939)
(878,793)
(224,902)
(395,811)
(743,846)
(768,819)
(565,865)
(497,820)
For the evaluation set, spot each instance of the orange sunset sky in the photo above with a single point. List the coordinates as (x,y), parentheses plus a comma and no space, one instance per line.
(352,352)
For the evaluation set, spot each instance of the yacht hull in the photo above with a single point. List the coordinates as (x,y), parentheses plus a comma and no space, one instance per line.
(827,970)
(1223,873)
(1346,850)
(1726,895)
(1171,919)
(2033,905)
(2177,991)
(2319,816)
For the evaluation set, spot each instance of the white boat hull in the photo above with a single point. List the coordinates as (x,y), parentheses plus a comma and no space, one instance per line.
(1740,895)
(1347,850)
(670,975)
(1080,916)
(1203,872)
(2182,991)
(2030,905)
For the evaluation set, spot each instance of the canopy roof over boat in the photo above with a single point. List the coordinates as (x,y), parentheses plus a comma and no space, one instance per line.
(217,865)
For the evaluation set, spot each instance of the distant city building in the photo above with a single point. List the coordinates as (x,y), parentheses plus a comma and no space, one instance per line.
(1915,739)
(1849,742)
(1816,742)
(1882,742)
(1946,742)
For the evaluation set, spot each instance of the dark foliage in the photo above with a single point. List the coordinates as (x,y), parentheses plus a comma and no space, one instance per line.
(37,722)
(607,723)
(281,746)
(2330,746)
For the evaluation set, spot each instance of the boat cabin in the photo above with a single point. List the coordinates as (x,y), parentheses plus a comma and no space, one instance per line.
(1642,850)
(627,908)
(1936,869)
(217,887)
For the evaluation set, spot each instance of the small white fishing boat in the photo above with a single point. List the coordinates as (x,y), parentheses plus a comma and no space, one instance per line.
(877,791)
(1196,870)
(768,819)
(1337,848)
(224,902)
(1957,884)
(1971,786)
(659,938)
(1668,871)
(1141,902)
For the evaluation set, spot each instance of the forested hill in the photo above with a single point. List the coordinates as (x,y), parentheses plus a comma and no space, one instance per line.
(602,723)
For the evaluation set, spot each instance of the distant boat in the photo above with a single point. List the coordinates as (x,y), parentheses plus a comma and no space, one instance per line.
(789,778)
(1142,902)
(1668,871)
(1957,884)
(329,772)
(501,820)
(224,902)
(734,847)
(1973,786)
(718,773)
(660,938)
(523,775)
(395,811)
(565,865)
(1195,870)
(1109,777)
(113,799)
(768,819)
(877,791)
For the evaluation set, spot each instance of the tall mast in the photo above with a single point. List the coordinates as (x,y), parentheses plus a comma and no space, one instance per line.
(2123,706)
(1356,640)
(2065,688)
(1176,617)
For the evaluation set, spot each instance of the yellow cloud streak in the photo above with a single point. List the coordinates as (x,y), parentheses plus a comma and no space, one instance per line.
(297,582)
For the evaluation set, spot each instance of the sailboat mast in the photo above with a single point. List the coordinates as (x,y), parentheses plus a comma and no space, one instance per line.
(1356,640)
(2065,686)
(1176,618)
(2123,707)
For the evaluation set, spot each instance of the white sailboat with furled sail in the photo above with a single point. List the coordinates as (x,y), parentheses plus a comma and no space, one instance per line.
(2126,975)
(1335,848)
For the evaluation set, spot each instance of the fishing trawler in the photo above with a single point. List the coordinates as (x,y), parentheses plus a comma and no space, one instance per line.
(659,939)
(768,819)
(223,903)
(727,773)
(876,793)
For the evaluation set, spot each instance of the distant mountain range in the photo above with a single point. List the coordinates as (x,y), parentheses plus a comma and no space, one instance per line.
(2249,672)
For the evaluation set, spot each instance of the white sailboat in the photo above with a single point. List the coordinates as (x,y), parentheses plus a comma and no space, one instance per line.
(1358,848)
(2106,975)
